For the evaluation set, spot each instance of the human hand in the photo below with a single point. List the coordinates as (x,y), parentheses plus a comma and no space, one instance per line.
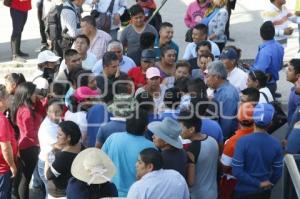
(13,170)
(288,31)
(266,184)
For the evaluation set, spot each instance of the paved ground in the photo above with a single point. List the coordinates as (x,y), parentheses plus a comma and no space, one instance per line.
(245,23)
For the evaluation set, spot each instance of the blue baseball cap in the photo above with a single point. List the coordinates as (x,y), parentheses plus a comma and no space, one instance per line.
(263,114)
(229,53)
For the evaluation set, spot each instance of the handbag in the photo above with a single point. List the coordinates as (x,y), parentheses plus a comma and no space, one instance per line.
(7,2)
(279,117)
(103,20)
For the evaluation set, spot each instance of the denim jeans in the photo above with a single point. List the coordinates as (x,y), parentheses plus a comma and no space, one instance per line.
(41,169)
(5,185)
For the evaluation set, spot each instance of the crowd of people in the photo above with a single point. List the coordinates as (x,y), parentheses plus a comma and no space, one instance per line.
(103,117)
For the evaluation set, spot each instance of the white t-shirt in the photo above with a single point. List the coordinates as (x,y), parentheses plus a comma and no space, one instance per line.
(238,78)
(47,137)
(79,118)
(190,50)
(87,64)
(268,94)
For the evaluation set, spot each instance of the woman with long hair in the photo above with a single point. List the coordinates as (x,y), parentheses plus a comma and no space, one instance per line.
(27,113)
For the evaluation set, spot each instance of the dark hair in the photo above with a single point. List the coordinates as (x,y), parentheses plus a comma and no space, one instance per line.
(3,92)
(208,55)
(73,75)
(252,94)
(22,97)
(83,77)
(122,87)
(164,50)
(152,156)
(147,40)
(136,125)
(172,98)
(201,27)
(16,78)
(83,37)
(203,43)
(184,63)
(181,84)
(55,101)
(267,30)
(296,64)
(69,53)
(71,129)
(165,25)
(135,10)
(108,57)
(260,77)
(145,102)
(58,88)
(189,120)
(90,20)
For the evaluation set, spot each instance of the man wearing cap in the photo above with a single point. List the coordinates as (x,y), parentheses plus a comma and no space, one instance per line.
(154,88)
(236,76)
(245,119)
(225,95)
(138,74)
(47,63)
(154,181)
(257,161)
(166,138)
(269,58)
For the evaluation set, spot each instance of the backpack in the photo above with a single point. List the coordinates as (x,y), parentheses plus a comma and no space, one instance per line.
(53,25)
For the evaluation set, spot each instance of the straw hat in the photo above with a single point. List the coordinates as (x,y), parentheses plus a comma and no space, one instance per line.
(93,166)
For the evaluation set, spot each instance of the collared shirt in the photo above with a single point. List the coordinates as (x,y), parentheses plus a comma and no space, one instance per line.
(125,65)
(269,59)
(160,184)
(99,44)
(70,19)
(227,98)
(157,48)
(190,50)
(238,78)
(294,101)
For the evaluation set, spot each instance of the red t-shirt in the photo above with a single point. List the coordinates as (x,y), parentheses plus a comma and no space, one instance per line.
(7,134)
(138,77)
(29,125)
(21,5)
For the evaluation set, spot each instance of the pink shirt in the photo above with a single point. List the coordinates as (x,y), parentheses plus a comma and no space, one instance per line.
(194,14)
(99,44)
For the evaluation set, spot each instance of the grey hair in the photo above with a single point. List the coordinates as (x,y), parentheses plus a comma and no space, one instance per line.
(114,44)
(217,68)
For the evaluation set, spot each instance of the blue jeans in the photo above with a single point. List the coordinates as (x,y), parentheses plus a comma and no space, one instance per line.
(5,185)
(41,168)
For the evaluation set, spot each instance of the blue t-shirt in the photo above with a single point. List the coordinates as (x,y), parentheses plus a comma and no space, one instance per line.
(293,145)
(294,101)
(123,149)
(257,157)
(172,44)
(96,115)
(213,129)
(113,126)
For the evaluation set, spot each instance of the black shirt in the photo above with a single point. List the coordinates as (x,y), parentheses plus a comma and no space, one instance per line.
(175,159)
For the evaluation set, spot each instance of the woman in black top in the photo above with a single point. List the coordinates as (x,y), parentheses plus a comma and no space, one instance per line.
(65,150)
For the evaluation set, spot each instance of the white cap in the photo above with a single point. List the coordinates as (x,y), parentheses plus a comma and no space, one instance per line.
(41,83)
(47,56)
(152,72)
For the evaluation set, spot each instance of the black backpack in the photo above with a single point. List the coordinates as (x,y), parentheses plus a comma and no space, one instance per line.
(53,25)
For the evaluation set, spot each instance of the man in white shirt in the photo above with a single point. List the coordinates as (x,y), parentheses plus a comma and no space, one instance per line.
(199,34)
(155,182)
(236,76)
(81,45)
(279,15)
(126,63)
